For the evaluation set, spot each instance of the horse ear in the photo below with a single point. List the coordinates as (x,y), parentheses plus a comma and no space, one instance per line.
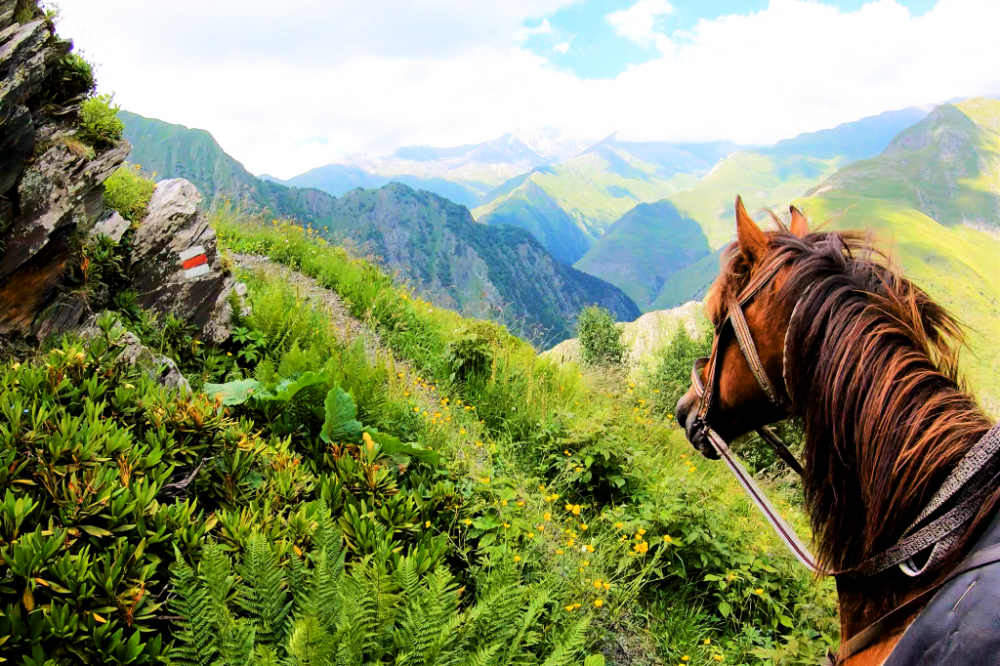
(752,241)
(799,226)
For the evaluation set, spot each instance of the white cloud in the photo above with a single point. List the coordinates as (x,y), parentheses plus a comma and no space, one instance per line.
(640,21)
(284,92)
(562,47)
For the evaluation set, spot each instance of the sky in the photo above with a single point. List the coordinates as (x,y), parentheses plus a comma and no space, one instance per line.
(286,87)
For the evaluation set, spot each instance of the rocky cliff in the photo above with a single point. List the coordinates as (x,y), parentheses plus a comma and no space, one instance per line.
(58,145)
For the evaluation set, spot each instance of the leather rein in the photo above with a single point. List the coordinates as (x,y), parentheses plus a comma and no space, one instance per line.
(966,487)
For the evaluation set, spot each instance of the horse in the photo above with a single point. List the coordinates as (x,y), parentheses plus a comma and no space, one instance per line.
(868,362)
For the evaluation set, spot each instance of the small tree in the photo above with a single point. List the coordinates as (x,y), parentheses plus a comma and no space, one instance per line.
(600,339)
(672,370)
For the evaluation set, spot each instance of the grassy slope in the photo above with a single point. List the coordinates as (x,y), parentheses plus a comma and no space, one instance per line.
(546,429)
(765,178)
(531,207)
(632,253)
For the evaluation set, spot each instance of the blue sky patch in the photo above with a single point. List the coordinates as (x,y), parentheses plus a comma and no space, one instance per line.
(583,42)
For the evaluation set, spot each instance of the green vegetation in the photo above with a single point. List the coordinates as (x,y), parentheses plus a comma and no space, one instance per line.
(458,497)
(671,371)
(600,340)
(128,192)
(99,124)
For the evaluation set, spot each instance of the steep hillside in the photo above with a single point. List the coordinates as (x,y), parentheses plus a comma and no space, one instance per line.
(175,151)
(765,178)
(465,174)
(933,198)
(633,256)
(431,242)
(436,245)
(599,186)
(642,337)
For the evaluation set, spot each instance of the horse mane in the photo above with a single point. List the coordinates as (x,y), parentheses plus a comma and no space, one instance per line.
(873,364)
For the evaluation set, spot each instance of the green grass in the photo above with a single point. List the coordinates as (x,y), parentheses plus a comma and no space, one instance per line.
(618,465)
(128,191)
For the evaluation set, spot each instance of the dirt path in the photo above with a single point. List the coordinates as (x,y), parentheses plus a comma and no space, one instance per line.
(348,328)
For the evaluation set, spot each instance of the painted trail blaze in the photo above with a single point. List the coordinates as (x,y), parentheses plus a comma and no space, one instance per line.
(193,261)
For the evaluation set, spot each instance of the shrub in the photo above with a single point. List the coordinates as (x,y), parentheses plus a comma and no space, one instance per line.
(600,339)
(88,446)
(99,123)
(671,374)
(128,192)
(69,77)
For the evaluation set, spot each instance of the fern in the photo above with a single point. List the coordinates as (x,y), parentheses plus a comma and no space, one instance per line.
(261,595)
(196,639)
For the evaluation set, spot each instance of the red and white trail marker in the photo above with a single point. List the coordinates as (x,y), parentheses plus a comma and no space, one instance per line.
(194,262)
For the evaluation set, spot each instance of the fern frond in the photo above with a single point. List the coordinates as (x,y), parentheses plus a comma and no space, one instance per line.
(261,595)
(196,640)
(569,644)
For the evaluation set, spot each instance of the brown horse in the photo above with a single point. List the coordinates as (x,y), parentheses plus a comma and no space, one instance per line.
(871,370)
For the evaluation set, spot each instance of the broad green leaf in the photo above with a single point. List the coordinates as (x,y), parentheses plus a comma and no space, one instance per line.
(287,388)
(95,531)
(400,452)
(340,424)
(725,608)
(236,393)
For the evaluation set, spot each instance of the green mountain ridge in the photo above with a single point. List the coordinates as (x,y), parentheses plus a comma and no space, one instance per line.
(434,244)
(469,267)
(595,188)
(647,251)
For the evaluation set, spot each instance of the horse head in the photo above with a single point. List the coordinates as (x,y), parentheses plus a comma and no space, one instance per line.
(741,400)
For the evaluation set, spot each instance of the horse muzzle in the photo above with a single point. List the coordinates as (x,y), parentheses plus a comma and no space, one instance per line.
(694,426)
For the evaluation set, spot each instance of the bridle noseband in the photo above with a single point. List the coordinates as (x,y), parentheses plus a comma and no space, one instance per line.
(734,315)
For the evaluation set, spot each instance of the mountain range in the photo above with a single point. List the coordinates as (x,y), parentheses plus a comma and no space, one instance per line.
(432,243)
(465,174)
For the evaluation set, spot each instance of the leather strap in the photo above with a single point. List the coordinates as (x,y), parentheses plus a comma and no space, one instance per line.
(894,618)
(745,339)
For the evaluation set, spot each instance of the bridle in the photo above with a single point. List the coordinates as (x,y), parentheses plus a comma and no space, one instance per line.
(965,488)
(734,315)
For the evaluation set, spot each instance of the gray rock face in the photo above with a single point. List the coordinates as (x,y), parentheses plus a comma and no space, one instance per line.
(157,366)
(114,227)
(175,261)
(47,193)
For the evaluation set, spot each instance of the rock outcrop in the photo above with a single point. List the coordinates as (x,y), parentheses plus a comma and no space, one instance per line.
(175,262)
(52,203)
(51,187)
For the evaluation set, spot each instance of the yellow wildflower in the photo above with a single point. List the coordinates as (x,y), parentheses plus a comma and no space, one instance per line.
(467,522)
(589,548)
(503,502)
(546,516)
(598,603)
(559,551)
(759,590)
(517,558)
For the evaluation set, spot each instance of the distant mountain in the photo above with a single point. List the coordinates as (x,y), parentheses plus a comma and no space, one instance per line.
(933,199)
(175,151)
(498,273)
(632,255)
(479,270)
(595,188)
(642,251)
(465,174)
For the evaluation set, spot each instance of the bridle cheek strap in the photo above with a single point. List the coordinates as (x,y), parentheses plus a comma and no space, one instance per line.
(706,393)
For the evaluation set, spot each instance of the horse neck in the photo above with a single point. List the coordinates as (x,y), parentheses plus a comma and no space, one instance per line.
(887,475)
